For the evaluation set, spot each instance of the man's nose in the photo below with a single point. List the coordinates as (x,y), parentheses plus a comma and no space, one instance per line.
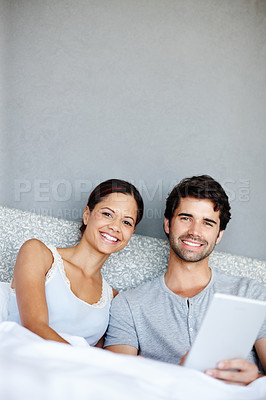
(195,229)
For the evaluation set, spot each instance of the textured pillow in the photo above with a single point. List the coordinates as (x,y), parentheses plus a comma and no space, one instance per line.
(143,259)
(4,296)
(17,226)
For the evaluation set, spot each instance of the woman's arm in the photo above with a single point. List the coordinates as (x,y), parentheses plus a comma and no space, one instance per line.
(33,261)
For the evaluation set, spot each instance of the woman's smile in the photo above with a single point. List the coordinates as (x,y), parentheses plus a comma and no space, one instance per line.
(109,238)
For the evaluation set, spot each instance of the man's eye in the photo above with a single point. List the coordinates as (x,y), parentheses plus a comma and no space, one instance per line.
(208,223)
(128,223)
(185,218)
(107,214)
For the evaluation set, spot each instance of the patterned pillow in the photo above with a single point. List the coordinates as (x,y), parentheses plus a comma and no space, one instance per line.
(143,259)
(4,296)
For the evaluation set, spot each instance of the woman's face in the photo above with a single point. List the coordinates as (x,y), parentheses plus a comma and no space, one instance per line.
(111,223)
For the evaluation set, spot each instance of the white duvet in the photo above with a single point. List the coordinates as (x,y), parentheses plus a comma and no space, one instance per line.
(32,368)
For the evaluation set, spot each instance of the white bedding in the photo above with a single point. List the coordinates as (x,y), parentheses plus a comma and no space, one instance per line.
(32,368)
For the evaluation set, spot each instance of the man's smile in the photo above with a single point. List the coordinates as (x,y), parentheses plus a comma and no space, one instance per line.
(193,244)
(190,242)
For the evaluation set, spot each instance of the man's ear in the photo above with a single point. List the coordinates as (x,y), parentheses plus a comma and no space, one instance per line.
(86,215)
(219,237)
(166,226)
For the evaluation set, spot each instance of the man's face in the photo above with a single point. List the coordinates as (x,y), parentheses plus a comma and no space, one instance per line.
(194,230)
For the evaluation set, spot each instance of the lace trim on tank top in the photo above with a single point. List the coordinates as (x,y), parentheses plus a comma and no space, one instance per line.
(107,291)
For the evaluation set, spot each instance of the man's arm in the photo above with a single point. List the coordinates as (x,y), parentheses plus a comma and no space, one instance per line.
(121,335)
(123,349)
(260,346)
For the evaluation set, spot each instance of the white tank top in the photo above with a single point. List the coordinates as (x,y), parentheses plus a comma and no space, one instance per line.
(67,313)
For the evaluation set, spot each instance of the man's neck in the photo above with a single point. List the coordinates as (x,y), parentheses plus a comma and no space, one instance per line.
(187,279)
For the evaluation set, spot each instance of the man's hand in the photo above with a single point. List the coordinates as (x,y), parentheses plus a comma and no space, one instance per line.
(183,359)
(236,371)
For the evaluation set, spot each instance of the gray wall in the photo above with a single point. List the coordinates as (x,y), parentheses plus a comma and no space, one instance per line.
(148,91)
(3,100)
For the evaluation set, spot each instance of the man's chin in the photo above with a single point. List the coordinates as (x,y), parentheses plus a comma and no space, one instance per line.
(188,257)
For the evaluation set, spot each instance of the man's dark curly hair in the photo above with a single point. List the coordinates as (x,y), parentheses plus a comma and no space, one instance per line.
(200,187)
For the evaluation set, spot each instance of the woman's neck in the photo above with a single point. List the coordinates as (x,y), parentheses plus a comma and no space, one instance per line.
(85,257)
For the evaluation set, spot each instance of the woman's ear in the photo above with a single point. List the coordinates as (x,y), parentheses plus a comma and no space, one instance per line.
(86,215)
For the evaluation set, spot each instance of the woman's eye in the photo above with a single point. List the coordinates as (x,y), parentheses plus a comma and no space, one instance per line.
(128,223)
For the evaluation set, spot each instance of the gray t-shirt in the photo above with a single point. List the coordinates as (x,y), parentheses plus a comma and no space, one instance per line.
(163,325)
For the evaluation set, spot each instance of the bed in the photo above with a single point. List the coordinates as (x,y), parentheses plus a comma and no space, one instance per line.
(32,368)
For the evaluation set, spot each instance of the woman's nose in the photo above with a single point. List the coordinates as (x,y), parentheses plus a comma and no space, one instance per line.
(115,225)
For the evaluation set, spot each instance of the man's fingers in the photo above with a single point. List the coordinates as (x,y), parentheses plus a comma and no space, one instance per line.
(235,371)
(239,364)
(228,376)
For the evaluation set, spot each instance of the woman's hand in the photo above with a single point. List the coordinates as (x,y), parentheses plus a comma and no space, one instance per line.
(236,371)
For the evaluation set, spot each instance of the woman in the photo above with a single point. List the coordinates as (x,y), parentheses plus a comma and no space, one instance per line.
(61,291)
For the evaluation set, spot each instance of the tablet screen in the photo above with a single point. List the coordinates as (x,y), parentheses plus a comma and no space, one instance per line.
(229,330)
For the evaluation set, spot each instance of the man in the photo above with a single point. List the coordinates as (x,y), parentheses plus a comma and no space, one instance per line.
(161,318)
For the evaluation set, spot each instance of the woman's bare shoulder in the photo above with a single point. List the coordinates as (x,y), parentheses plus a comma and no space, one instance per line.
(33,261)
(37,250)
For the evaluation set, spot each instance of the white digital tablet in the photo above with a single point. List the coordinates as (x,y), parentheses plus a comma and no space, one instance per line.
(229,330)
